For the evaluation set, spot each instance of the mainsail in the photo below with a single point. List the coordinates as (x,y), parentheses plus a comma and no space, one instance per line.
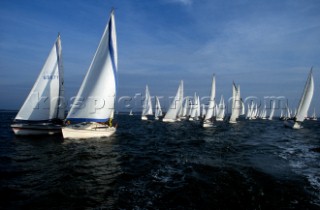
(158,111)
(305,100)
(211,107)
(46,98)
(147,105)
(236,103)
(96,97)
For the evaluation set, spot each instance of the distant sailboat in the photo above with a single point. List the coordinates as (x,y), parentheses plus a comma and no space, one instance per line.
(131,113)
(92,112)
(273,108)
(185,109)
(208,120)
(304,103)
(263,114)
(43,110)
(236,104)
(314,116)
(221,110)
(173,113)
(158,111)
(147,105)
(194,108)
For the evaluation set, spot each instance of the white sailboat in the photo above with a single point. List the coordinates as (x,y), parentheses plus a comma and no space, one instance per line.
(304,103)
(158,111)
(236,104)
(263,114)
(147,105)
(314,116)
(92,112)
(131,113)
(194,108)
(43,110)
(173,112)
(273,108)
(221,110)
(185,109)
(208,120)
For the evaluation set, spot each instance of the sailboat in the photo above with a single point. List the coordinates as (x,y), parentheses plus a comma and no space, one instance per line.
(221,110)
(92,112)
(273,108)
(185,109)
(147,105)
(43,110)
(304,104)
(175,109)
(130,113)
(194,108)
(314,116)
(158,111)
(236,104)
(208,120)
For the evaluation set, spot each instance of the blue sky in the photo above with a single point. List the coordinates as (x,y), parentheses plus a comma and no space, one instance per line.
(268,47)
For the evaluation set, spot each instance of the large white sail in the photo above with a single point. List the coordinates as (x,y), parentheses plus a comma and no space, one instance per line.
(176,106)
(236,104)
(305,100)
(211,107)
(147,105)
(46,98)
(96,97)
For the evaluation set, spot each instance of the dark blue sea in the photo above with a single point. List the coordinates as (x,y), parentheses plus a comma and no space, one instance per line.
(256,164)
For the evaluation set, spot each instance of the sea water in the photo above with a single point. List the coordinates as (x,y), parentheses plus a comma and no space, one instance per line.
(257,164)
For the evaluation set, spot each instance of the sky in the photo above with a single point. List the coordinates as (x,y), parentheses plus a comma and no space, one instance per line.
(266,46)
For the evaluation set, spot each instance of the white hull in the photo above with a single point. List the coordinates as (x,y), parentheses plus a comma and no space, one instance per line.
(232,122)
(207,125)
(219,119)
(168,120)
(292,124)
(87,130)
(37,129)
(297,125)
(144,118)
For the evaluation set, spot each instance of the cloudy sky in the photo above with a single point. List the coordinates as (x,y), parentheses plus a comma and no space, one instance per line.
(267,47)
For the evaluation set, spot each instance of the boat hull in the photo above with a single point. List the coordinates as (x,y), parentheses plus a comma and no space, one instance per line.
(168,120)
(292,124)
(87,131)
(144,118)
(36,129)
(207,125)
